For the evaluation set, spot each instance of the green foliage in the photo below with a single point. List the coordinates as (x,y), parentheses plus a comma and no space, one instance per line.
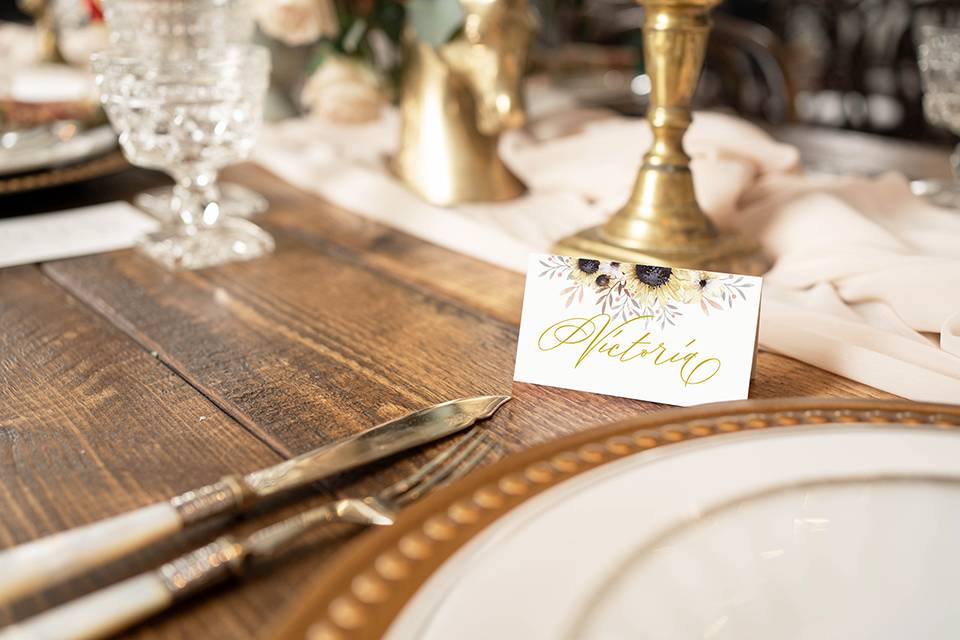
(373,35)
(435,21)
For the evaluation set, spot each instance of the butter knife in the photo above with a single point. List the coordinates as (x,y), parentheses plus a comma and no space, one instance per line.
(43,562)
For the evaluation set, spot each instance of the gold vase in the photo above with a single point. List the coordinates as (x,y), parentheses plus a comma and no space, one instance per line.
(662,223)
(457,98)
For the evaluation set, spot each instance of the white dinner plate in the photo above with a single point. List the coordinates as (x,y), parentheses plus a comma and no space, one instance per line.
(838,531)
(85,145)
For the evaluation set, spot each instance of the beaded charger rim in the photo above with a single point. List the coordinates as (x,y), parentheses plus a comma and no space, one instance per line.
(359,596)
(103,165)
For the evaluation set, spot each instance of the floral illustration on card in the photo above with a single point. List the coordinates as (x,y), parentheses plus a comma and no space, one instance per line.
(627,290)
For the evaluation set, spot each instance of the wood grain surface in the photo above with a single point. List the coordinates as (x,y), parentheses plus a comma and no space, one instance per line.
(92,425)
(121,383)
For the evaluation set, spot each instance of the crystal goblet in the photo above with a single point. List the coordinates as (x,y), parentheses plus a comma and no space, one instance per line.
(190,116)
(178,26)
(939,59)
(178,23)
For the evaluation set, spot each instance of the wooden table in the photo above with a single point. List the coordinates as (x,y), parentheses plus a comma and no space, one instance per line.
(122,384)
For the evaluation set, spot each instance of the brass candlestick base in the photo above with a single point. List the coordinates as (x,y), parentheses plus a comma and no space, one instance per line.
(731,253)
(662,223)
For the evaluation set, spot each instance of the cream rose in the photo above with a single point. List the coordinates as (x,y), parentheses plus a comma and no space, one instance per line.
(296,22)
(77,44)
(343,90)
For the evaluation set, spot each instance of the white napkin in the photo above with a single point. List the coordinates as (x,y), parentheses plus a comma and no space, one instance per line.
(866,281)
(74,232)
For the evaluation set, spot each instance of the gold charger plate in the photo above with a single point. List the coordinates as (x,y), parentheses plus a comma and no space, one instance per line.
(359,596)
(97,167)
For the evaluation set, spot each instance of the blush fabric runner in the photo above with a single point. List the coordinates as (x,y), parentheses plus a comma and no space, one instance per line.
(866,276)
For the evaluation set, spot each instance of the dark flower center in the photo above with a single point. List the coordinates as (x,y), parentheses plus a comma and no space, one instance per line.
(588,266)
(652,276)
(703,283)
(602,280)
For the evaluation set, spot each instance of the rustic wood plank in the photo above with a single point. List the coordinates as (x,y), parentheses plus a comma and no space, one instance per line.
(315,221)
(91,425)
(308,337)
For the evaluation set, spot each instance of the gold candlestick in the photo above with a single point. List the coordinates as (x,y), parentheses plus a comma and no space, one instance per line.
(662,223)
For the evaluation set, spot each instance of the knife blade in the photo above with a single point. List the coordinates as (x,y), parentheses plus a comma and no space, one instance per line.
(376,443)
(41,563)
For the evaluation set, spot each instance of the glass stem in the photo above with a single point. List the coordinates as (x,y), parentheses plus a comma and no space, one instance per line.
(196,198)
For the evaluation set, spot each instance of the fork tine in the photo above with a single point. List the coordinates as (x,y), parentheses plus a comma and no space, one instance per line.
(405,484)
(463,463)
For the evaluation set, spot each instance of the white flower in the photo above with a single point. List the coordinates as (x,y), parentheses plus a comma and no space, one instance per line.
(612,269)
(343,90)
(76,45)
(702,286)
(296,22)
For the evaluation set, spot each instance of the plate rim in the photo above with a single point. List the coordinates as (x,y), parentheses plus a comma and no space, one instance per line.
(90,142)
(98,166)
(358,596)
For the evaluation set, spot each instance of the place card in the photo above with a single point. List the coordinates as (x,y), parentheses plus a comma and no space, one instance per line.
(74,232)
(663,334)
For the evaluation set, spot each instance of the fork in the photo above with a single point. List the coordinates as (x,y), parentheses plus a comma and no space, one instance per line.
(114,608)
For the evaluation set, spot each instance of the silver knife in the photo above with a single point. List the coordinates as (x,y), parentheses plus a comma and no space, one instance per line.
(41,563)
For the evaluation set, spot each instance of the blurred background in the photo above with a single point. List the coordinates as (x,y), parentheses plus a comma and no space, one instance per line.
(848,64)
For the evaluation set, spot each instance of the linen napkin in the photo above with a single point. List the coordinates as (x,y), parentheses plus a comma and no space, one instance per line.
(72,232)
(866,276)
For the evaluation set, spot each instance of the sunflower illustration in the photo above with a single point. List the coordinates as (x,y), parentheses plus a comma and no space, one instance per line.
(697,286)
(585,270)
(625,290)
(652,285)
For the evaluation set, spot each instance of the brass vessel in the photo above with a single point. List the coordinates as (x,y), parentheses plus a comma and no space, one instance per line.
(662,223)
(457,98)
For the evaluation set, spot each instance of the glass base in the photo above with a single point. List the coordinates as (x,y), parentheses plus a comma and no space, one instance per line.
(235,202)
(943,193)
(231,240)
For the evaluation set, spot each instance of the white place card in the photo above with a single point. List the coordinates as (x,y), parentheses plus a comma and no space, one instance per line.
(74,232)
(663,334)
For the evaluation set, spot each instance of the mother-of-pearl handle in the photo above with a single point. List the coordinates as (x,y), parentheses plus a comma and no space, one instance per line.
(43,562)
(113,609)
(98,615)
